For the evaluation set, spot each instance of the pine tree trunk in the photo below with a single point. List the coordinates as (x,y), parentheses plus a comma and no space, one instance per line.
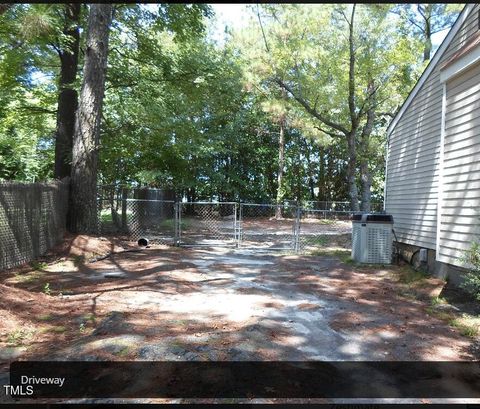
(322,191)
(311,182)
(281,164)
(67,97)
(365,173)
(351,173)
(87,124)
(427,50)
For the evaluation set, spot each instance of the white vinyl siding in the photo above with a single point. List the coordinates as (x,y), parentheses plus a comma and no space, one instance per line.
(412,184)
(460,207)
(412,179)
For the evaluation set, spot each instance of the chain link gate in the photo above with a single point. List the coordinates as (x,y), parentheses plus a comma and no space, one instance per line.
(207,224)
(267,226)
(247,225)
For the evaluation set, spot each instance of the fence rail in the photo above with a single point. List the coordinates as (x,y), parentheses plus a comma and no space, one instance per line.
(32,220)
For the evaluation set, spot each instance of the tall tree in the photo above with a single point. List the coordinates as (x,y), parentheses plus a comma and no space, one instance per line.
(341,76)
(83,200)
(426,19)
(67,94)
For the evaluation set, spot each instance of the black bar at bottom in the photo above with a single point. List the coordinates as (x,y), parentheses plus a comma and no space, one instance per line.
(248,379)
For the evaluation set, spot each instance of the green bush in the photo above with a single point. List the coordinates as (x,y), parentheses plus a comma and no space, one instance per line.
(471,259)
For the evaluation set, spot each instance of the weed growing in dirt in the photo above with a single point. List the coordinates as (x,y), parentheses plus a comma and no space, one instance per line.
(86,319)
(438,301)
(38,265)
(46,289)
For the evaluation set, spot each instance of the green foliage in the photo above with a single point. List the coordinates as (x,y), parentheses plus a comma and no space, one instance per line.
(46,289)
(471,260)
(38,265)
(186,113)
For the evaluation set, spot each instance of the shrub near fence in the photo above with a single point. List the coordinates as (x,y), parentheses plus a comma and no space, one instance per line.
(32,219)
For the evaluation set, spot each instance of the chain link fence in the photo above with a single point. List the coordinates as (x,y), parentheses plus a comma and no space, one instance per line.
(32,220)
(268,226)
(295,226)
(246,225)
(205,223)
(323,228)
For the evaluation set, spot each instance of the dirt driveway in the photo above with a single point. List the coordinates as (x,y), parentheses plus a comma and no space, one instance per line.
(217,304)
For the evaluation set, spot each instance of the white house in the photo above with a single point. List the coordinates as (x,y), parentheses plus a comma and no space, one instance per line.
(433,160)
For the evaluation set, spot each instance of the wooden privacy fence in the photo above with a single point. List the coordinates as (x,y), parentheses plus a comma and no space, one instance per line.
(32,219)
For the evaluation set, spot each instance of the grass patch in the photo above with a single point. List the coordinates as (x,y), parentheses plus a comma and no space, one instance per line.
(344,255)
(316,241)
(89,317)
(28,277)
(45,317)
(106,217)
(38,265)
(170,223)
(438,301)
(467,325)
(327,221)
(123,352)
(441,315)
(58,329)
(19,337)
(409,276)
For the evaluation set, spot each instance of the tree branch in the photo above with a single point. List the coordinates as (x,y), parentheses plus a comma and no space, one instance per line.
(263,32)
(311,110)
(330,133)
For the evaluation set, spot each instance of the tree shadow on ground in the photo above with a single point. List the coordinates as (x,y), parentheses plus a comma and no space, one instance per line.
(168,308)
